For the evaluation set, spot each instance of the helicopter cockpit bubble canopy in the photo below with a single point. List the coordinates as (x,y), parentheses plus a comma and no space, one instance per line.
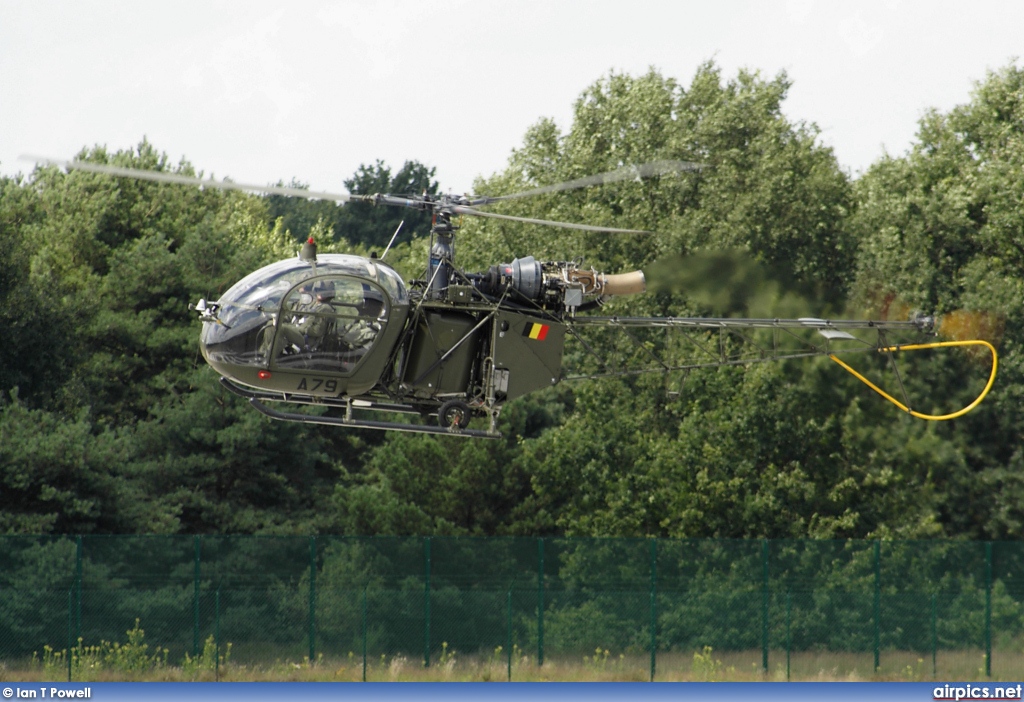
(321,316)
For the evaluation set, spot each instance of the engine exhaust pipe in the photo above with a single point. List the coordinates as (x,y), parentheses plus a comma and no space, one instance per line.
(623,283)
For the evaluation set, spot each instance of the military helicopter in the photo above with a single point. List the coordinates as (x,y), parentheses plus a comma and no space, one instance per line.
(346,332)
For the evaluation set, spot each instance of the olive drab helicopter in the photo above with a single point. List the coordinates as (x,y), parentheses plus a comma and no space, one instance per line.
(346,333)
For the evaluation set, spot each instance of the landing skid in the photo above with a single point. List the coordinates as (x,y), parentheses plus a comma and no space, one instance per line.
(254,397)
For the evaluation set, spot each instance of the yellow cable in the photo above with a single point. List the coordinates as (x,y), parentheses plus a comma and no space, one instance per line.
(932,345)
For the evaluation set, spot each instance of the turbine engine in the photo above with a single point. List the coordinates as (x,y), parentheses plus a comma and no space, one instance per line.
(554,284)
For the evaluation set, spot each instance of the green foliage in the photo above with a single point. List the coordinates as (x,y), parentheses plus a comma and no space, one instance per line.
(129,660)
(574,629)
(766,188)
(52,662)
(32,357)
(356,222)
(940,229)
(58,475)
(706,667)
(441,485)
(209,660)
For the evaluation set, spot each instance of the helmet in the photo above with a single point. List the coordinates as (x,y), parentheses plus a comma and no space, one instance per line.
(323,290)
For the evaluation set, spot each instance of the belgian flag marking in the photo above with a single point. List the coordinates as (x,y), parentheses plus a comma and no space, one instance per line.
(536,331)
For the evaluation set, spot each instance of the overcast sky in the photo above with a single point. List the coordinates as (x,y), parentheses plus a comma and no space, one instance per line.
(267,91)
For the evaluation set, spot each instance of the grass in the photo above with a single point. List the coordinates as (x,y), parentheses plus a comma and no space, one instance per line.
(133,661)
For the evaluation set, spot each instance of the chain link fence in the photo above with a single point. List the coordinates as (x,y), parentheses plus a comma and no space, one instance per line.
(742,608)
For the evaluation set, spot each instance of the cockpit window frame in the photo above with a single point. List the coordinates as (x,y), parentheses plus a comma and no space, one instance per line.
(342,362)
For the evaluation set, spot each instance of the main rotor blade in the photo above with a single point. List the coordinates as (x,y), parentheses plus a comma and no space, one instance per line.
(646,170)
(462,209)
(161,177)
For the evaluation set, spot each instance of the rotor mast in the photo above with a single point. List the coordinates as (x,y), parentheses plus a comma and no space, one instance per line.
(441,263)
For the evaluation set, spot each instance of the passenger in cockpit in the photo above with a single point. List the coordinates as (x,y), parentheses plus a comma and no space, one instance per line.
(353,329)
(306,325)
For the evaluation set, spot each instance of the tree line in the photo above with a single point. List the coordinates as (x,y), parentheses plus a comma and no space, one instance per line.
(110,422)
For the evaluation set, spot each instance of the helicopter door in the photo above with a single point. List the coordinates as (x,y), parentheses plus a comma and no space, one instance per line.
(442,353)
(328,324)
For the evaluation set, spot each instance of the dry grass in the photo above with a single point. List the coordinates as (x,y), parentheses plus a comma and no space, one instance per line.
(602,666)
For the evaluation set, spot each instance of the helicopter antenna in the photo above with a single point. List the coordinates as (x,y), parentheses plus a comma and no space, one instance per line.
(393,237)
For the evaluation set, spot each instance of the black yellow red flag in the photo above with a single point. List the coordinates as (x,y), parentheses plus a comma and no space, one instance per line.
(536,331)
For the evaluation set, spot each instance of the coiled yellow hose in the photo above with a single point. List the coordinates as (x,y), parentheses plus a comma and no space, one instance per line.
(932,345)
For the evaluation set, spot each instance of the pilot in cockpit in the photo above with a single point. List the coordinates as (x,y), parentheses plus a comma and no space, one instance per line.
(354,331)
(307,322)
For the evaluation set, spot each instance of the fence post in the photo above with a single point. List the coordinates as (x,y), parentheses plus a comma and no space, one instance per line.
(988,609)
(195,595)
(216,634)
(540,601)
(935,634)
(764,606)
(364,634)
(312,599)
(509,642)
(78,587)
(878,600)
(71,600)
(426,602)
(654,605)
(789,640)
